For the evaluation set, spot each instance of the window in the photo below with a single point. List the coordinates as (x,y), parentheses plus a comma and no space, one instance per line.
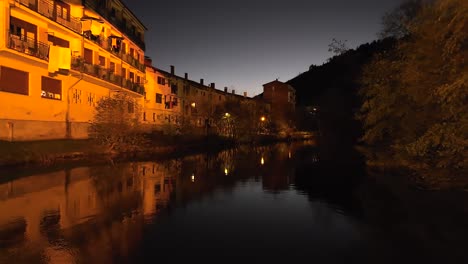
(159,98)
(124,73)
(88,56)
(14,81)
(161,81)
(24,30)
(102,61)
(154,117)
(62,10)
(132,77)
(144,116)
(112,67)
(174,88)
(51,88)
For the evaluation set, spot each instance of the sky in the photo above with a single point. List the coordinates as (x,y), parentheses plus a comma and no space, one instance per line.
(244,44)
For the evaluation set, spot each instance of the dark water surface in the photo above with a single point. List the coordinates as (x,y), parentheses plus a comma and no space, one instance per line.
(280,202)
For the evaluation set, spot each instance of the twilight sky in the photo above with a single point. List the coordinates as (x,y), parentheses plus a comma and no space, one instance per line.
(243,44)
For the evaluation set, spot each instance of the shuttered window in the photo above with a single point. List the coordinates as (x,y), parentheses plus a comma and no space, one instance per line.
(88,56)
(51,88)
(14,81)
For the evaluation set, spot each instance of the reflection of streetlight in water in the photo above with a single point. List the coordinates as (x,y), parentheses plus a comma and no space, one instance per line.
(226,171)
(262,161)
(193,177)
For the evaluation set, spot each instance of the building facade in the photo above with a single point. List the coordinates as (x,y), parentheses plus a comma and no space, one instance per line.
(282,99)
(59,58)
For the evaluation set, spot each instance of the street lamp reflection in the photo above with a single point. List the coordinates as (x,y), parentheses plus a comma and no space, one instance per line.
(226,171)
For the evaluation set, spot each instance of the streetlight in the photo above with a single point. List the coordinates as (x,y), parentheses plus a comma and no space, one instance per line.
(227,115)
(263,119)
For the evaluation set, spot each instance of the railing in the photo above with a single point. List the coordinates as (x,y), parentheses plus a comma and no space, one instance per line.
(102,10)
(105,44)
(29,46)
(105,74)
(47,9)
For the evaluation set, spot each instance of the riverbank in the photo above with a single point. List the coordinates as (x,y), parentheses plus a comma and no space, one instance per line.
(53,152)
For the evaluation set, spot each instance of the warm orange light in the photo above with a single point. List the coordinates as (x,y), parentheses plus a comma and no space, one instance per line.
(226,171)
(262,161)
(193,177)
(227,115)
(193,104)
(262,119)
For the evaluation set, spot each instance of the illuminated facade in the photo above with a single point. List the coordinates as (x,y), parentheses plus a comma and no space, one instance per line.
(177,100)
(58,58)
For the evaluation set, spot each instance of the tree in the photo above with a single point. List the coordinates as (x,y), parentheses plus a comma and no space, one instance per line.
(397,22)
(415,97)
(338,47)
(117,125)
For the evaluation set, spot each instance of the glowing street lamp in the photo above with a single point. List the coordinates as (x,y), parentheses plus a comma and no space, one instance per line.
(193,104)
(227,115)
(263,119)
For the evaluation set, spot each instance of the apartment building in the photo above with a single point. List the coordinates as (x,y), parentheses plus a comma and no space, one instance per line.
(58,58)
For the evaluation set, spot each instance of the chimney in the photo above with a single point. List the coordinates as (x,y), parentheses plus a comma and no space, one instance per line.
(201,81)
(225,89)
(172,70)
(148,61)
(186,76)
(245,94)
(233,91)
(213,85)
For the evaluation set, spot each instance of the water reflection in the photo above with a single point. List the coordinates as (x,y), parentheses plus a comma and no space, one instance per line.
(124,213)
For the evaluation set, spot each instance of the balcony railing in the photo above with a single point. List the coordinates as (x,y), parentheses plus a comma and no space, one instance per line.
(101,9)
(29,46)
(106,75)
(105,44)
(47,9)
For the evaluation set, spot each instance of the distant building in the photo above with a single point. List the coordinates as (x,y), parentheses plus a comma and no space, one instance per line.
(282,99)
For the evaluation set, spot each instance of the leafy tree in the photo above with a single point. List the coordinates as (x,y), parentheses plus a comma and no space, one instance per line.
(116,125)
(415,97)
(397,22)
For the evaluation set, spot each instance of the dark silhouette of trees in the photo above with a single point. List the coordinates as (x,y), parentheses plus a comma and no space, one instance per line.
(415,96)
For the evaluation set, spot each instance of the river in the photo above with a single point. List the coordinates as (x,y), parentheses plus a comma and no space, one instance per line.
(253,203)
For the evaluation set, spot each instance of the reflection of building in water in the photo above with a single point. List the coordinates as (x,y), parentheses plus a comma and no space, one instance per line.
(85,209)
(158,184)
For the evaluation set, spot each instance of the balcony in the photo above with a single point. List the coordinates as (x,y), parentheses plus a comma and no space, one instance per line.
(47,9)
(29,46)
(105,74)
(102,10)
(105,44)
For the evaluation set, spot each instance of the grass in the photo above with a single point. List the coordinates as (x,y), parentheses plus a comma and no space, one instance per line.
(12,153)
